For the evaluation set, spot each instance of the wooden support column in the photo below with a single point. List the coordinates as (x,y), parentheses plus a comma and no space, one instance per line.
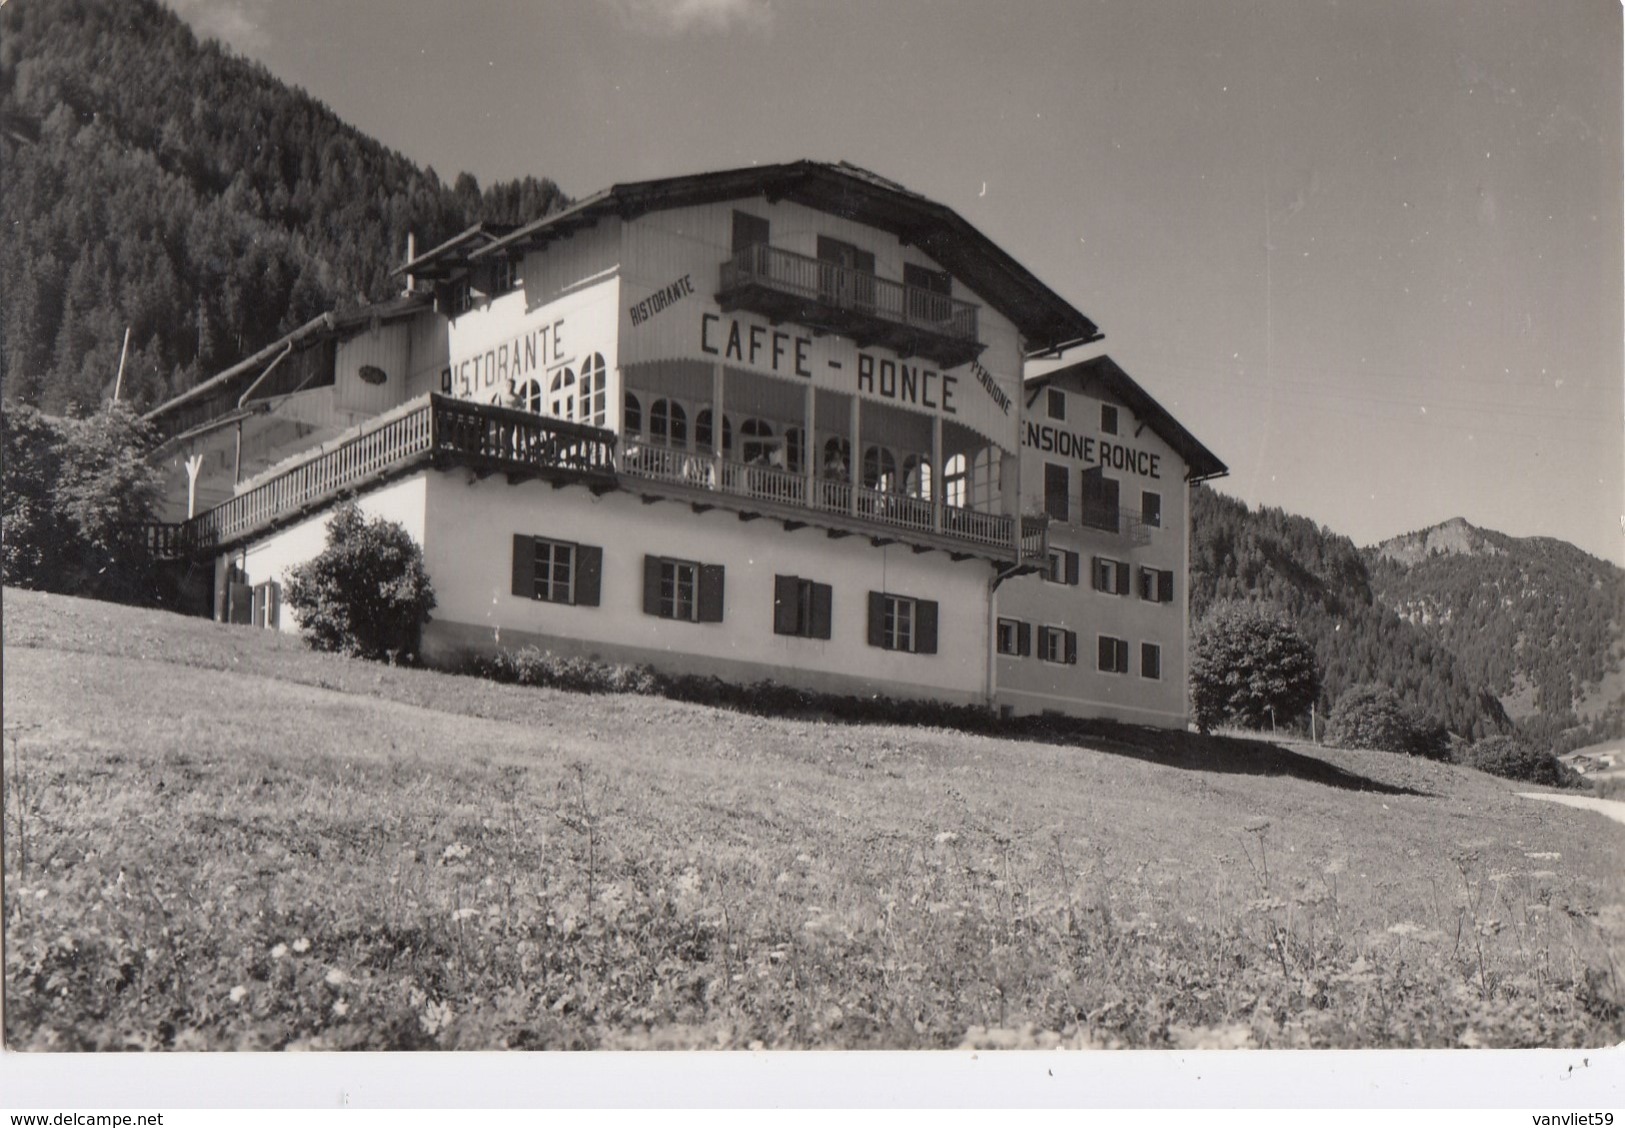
(717,390)
(809,449)
(855,457)
(936,473)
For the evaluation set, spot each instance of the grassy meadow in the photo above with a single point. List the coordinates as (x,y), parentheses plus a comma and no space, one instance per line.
(216,840)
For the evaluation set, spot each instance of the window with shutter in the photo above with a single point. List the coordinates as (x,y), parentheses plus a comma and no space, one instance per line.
(1056,404)
(1150,660)
(1024,639)
(1009,637)
(1124,583)
(749,231)
(801,607)
(1151,509)
(1113,655)
(1057,498)
(1165,587)
(899,623)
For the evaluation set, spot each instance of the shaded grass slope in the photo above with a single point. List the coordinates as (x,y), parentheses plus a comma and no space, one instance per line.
(215,839)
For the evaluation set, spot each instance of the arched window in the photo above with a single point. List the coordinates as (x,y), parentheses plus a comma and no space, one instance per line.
(668,423)
(879,469)
(794,449)
(751,448)
(530,396)
(703,436)
(593,392)
(564,400)
(955,482)
(917,476)
(631,414)
(837,460)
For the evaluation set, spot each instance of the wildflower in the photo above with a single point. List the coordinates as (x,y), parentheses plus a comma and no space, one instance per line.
(463,914)
(341,1008)
(336,978)
(279,951)
(239,993)
(947,838)
(456,852)
(301,945)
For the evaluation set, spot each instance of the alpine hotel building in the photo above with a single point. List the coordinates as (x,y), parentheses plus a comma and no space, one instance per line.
(766,423)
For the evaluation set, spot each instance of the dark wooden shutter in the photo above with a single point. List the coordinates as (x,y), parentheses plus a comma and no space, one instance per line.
(823,599)
(1024,639)
(1150,660)
(1072,559)
(273,591)
(1071,648)
(925,626)
(1108,654)
(711,593)
(1108,499)
(749,230)
(1124,577)
(651,585)
(1122,655)
(524,566)
(240,604)
(589,573)
(1165,587)
(1057,498)
(877,618)
(786,602)
(1097,573)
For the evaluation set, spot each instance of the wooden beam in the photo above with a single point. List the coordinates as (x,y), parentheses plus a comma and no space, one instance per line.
(881,542)
(700,508)
(747,516)
(792,526)
(837,534)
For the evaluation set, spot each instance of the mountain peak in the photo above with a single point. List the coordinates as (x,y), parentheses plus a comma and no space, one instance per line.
(1455,537)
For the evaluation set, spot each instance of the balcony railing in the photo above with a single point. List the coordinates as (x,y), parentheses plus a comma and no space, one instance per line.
(444,431)
(1117,521)
(855,303)
(437,427)
(880,509)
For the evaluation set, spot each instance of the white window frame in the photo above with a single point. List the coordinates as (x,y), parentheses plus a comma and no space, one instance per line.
(560,557)
(900,626)
(680,590)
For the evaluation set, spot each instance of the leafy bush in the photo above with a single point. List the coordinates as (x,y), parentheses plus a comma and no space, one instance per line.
(1373,716)
(77,492)
(531,665)
(1250,667)
(1511,758)
(367,593)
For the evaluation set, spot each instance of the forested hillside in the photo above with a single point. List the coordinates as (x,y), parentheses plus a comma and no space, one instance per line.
(1537,621)
(154,182)
(1322,581)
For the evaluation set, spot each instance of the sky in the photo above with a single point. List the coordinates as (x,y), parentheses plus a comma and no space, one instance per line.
(1369,253)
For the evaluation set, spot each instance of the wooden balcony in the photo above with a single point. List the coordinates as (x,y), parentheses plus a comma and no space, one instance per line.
(435,430)
(908,320)
(841,506)
(439,431)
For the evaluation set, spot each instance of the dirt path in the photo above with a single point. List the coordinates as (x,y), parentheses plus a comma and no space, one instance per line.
(1613,808)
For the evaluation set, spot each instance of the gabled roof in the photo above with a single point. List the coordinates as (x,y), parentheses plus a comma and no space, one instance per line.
(1103,373)
(220,392)
(1046,321)
(439,261)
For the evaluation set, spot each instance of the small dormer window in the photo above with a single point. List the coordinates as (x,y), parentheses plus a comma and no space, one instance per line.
(1108,419)
(459,295)
(1057,404)
(504,276)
